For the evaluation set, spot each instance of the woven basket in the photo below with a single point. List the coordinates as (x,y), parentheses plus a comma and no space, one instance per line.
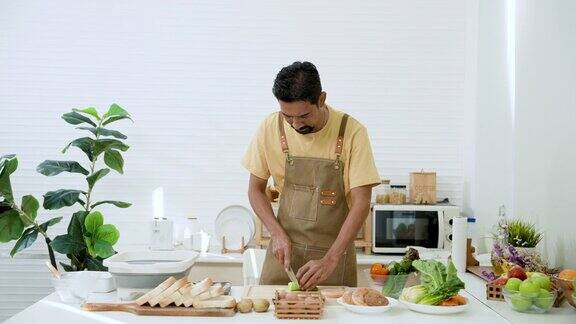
(311,307)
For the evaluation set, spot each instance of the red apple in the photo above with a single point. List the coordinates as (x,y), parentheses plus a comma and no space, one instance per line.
(517,272)
(501,281)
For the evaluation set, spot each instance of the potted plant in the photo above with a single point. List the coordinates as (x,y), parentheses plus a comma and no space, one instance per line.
(18,221)
(523,235)
(88,240)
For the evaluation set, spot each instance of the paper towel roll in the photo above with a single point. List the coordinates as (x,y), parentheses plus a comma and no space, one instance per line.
(459,231)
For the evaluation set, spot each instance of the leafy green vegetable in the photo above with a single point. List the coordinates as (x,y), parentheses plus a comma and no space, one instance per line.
(399,272)
(439,282)
(413,294)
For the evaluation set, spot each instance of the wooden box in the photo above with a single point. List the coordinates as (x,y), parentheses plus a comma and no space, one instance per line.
(494,292)
(423,188)
(312,307)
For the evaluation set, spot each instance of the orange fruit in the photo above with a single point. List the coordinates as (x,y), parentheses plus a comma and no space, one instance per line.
(567,274)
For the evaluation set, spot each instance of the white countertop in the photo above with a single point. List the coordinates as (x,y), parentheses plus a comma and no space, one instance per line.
(52,310)
(362,259)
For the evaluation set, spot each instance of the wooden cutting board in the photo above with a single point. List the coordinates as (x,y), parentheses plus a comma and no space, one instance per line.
(268,291)
(158,311)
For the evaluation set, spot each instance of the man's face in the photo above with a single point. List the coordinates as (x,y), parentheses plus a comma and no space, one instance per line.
(303,116)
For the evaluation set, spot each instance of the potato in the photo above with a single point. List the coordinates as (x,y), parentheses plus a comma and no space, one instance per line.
(261,305)
(291,296)
(245,305)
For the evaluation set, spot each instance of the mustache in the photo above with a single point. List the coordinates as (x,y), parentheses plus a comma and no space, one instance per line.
(304,129)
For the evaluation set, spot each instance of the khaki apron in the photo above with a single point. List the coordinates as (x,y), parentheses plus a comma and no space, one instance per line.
(312,211)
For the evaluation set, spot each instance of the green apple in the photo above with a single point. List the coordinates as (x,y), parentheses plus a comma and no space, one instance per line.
(513,284)
(542,281)
(520,303)
(529,289)
(545,299)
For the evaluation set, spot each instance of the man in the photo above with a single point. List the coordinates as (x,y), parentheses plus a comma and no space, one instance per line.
(322,164)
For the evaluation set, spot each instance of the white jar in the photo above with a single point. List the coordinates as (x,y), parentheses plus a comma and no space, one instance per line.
(192,227)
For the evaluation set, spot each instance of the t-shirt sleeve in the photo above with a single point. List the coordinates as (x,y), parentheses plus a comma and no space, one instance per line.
(254,159)
(362,169)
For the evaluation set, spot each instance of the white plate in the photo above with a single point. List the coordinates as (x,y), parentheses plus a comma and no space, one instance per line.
(429,309)
(235,222)
(368,309)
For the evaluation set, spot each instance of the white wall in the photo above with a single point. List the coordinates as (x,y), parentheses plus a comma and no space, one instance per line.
(493,121)
(197,77)
(545,169)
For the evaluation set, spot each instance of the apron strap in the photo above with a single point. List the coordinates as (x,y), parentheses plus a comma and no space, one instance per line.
(283,142)
(340,140)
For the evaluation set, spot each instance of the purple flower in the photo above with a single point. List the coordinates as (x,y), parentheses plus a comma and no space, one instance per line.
(498,250)
(490,276)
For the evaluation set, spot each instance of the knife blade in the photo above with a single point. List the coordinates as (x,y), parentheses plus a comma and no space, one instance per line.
(291,275)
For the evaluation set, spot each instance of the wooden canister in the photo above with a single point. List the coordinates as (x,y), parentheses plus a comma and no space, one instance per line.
(423,187)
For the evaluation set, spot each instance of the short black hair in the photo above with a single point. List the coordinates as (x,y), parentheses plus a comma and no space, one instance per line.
(298,81)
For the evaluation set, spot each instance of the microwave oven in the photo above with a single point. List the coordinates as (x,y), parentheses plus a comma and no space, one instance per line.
(396,227)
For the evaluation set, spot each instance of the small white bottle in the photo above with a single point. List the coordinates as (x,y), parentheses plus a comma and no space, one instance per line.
(192,227)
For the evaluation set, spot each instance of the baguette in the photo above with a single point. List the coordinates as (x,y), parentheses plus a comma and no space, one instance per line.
(171,299)
(214,291)
(179,296)
(169,291)
(215,302)
(154,292)
(190,292)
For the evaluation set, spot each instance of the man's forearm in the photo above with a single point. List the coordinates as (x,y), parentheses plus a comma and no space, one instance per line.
(263,209)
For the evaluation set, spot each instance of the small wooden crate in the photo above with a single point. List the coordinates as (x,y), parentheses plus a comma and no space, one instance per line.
(494,292)
(311,308)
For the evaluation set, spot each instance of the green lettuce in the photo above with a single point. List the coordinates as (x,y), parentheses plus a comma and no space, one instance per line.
(439,281)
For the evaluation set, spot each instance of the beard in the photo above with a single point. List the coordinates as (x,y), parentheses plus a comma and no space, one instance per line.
(304,130)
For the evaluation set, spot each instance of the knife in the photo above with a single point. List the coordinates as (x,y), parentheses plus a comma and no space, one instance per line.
(291,275)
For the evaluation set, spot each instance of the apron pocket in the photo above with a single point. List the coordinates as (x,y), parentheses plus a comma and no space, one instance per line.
(337,276)
(304,203)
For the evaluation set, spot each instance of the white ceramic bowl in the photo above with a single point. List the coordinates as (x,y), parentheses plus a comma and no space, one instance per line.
(368,309)
(430,309)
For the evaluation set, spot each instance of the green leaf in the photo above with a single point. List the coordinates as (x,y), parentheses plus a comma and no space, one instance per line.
(120,204)
(99,131)
(75,118)
(114,113)
(30,206)
(114,160)
(103,249)
(90,111)
(86,144)
(61,198)
(95,265)
(11,226)
(96,176)
(66,245)
(28,238)
(9,164)
(105,144)
(76,225)
(5,158)
(52,168)
(93,221)
(108,233)
(44,226)
(89,246)
(66,267)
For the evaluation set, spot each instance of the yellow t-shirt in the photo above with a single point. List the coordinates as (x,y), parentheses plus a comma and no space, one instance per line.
(264,156)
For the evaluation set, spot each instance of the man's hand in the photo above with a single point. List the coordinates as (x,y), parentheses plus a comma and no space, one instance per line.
(282,249)
(315,271)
